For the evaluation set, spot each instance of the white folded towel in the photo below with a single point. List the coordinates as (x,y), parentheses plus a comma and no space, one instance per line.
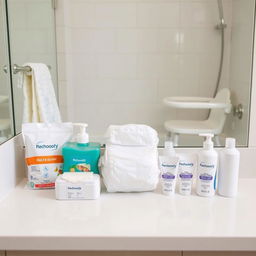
(40,103)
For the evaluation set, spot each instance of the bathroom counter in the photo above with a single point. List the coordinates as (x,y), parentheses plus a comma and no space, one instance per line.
(34,220)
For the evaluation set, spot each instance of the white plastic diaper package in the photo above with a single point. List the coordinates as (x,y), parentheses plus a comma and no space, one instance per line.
(130,162)
(43,145)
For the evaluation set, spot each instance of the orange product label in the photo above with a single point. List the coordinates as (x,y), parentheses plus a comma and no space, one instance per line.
(58,159)
(48,185)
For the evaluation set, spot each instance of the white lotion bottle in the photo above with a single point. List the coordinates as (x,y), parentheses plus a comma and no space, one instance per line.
(169,167)
(228,169)
(186,172)
(207,168)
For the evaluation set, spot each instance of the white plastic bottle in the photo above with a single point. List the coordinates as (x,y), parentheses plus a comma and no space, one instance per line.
(228,169)
(169,167)
(207,167)
(186,172)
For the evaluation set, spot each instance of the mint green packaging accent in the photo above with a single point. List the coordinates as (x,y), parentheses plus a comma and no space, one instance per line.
(80,157)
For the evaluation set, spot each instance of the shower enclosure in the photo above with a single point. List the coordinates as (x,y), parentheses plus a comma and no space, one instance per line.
(27,35)
(118,60)
(221,26)
(219,106)
(6,113)
(128,56)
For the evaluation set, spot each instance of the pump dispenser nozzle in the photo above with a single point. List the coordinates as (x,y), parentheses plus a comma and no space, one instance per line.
(82,136)
(208,143)
(168,148)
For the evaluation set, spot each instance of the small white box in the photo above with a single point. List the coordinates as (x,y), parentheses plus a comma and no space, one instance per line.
(85,189)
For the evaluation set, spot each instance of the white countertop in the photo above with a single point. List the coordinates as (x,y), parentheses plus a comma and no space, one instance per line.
(34,220)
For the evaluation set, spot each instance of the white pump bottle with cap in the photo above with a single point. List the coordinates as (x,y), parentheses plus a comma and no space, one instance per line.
(228,169)
(169,167)
(82,136)
(207,168)
(168,149)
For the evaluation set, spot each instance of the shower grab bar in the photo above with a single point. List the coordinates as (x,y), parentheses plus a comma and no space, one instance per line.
(26,69)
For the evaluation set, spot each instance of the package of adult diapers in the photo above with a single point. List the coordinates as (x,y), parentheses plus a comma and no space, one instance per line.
(43,145)
(130,162)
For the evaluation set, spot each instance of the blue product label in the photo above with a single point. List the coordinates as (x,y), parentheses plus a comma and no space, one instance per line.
(208,166)
(186,164)
(75,188)
(205,176)
(186,175)
(80,158)
(215,182)
(169,165)
(168,176)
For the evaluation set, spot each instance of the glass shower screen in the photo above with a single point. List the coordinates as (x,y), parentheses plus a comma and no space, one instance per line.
(32,39)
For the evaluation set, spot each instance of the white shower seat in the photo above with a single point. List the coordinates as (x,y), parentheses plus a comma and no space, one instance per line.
(191,126)
(219,107)
(195,103)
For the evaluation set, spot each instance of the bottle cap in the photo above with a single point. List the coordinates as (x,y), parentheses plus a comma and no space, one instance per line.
(168,148)
(82,136)
(208,143)
(230,143)
(168,144)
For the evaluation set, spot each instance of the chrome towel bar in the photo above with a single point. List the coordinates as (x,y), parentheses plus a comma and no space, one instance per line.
(16,68)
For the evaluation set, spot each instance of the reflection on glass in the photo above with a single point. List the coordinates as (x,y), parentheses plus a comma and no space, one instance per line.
(32,39)
(126,59)
(6,130)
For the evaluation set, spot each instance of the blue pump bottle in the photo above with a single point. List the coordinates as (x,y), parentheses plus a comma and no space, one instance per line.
(81,155)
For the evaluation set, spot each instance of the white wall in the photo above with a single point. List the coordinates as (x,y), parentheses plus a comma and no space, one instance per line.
(119,59)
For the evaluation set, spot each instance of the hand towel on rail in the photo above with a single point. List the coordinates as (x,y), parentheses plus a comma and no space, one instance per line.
(40,104)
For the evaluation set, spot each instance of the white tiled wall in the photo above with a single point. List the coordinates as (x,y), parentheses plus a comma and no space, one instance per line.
(119,58)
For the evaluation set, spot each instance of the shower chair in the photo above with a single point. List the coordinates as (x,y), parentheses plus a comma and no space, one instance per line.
(219,107)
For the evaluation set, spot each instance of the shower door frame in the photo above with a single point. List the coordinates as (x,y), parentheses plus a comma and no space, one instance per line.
(8,67)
